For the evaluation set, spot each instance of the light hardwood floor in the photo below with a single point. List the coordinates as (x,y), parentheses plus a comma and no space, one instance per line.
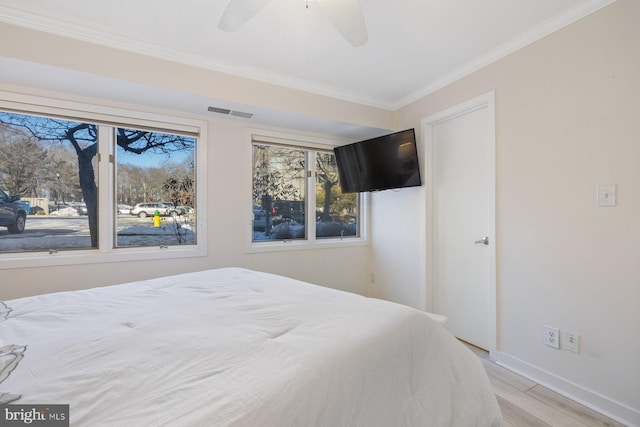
(527,404)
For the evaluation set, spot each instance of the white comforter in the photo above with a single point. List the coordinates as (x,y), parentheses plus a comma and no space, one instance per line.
(234,347)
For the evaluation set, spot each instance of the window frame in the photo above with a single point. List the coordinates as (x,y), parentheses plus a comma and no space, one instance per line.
(311,144)
(107,118)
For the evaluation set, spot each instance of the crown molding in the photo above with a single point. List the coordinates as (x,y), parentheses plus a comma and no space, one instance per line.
(551,25)
(108,39)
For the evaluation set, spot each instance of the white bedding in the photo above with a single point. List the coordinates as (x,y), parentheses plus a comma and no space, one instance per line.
(235,347)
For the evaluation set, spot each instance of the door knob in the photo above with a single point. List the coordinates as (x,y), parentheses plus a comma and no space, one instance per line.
(484,241)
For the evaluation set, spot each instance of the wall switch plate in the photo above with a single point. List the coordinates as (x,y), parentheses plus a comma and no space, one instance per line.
(571,341)
(551,337)
(606,195)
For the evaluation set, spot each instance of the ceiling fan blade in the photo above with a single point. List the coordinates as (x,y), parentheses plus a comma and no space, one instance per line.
(347,17)
(238,12)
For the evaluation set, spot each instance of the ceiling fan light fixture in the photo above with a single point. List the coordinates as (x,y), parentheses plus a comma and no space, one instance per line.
(238,12)
(348,18)
(345,15)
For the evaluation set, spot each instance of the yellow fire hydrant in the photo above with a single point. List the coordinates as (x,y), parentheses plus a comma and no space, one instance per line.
(156,219)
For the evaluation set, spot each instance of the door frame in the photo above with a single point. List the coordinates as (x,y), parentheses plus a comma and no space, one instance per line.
(427,124)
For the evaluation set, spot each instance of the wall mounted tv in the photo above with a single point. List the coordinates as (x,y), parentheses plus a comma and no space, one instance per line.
(381,163)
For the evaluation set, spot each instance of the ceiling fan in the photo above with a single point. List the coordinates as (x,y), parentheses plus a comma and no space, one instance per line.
(346,16)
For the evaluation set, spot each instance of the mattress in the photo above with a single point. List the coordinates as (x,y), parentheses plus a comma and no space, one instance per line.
(236,347)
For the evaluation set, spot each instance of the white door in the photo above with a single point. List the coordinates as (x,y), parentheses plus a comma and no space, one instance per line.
(460,147)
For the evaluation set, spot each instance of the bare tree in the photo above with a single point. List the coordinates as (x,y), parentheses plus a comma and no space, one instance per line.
(327,175)
(23,164)
(276,181)
(180,191)
(275,169)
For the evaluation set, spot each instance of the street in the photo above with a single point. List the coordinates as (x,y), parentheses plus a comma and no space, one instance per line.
(52,232)
(42,225)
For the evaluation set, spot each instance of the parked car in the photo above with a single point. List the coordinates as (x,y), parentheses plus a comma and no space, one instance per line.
(144,210)
(259,218)
(186,209)
(175,210)
(82,209)
(124,209)
(13,214)
(287,210)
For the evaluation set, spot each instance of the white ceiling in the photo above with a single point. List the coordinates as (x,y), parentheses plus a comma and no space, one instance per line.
(414,46)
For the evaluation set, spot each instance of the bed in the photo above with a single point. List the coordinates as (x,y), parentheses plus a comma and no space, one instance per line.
(236,347)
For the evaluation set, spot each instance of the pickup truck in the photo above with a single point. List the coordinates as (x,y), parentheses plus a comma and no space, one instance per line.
(12,213)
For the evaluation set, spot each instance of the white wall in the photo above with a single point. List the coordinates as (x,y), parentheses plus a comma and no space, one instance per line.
(229,201)
(397,252)
(52,64)
(229,223)
(198,83)
(567,120)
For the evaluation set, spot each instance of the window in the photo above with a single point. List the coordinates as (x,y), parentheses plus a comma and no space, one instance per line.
(50,165)
(336,213)
(105,184)
(297,197)
(155,177)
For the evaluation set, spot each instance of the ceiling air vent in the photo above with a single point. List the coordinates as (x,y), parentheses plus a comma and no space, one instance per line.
(219,110)
(230,112)
(241,114)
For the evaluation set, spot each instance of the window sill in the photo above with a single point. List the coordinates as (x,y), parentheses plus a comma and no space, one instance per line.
(10,261)
(299,245)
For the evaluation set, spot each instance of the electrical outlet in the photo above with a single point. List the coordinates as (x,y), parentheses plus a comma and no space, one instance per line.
(551,336)
(571,341)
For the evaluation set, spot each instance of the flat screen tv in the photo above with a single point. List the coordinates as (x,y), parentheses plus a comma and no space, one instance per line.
(381,163)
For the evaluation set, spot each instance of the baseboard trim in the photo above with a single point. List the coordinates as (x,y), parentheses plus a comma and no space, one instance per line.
(589,398)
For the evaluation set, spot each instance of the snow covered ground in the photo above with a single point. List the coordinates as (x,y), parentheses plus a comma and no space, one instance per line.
(166,234)
(66,212)
(74,238)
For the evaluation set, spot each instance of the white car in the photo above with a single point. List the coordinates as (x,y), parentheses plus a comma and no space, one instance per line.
(124,209)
